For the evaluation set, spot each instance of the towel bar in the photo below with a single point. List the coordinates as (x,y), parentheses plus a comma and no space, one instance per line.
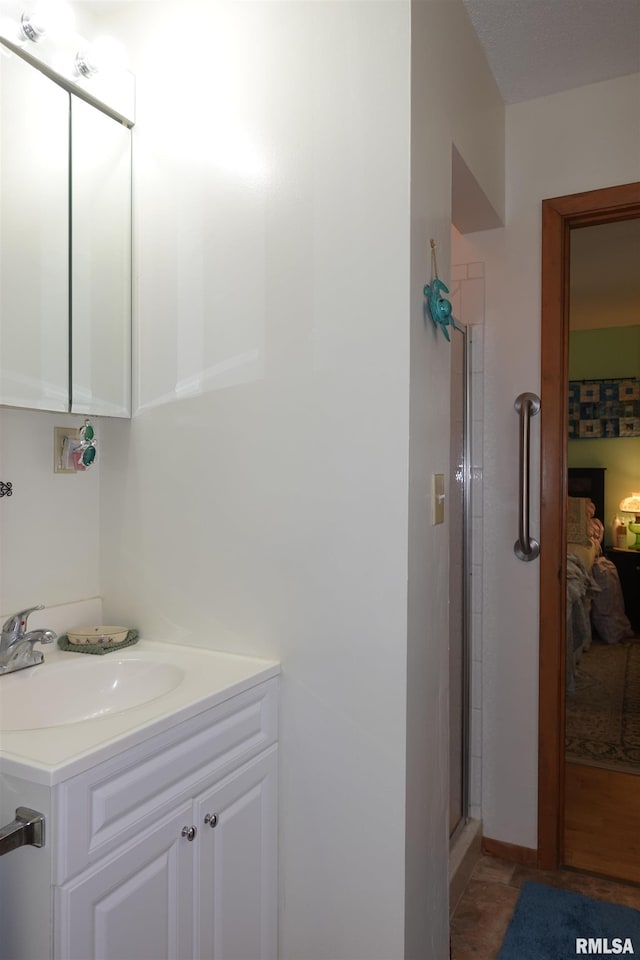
(27,828)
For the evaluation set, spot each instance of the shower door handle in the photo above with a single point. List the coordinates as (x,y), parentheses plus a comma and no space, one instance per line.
(527,405)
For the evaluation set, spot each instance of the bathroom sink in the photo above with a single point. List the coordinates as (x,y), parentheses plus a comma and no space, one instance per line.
(51,695)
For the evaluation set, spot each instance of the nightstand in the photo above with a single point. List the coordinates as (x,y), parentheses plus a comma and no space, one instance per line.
(627,563)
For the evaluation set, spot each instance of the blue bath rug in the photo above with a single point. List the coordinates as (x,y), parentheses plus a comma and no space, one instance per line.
(553,924)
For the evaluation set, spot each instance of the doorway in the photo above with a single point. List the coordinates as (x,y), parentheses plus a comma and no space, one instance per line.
(603,835)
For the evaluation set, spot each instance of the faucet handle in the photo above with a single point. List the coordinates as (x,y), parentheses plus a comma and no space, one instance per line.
(17,623)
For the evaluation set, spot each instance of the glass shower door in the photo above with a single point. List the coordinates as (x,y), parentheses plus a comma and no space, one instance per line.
(458,585)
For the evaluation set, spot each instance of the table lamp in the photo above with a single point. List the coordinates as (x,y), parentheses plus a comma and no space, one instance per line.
(632,505)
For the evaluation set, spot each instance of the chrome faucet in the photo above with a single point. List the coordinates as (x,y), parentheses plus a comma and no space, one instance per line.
(16,644)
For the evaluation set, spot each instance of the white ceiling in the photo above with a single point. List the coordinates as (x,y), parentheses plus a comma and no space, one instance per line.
(538,47)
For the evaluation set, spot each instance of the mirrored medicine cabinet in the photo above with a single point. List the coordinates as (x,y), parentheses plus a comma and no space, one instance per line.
(65,248)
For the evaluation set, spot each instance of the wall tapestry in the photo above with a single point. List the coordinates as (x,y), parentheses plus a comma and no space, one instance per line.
(604,408)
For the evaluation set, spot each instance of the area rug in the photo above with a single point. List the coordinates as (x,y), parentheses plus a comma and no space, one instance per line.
(603,713)
(553,924)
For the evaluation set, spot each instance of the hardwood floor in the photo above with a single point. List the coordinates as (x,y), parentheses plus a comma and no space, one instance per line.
(483,913)
(602,821)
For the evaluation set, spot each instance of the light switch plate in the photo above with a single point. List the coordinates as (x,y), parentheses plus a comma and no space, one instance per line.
(437,498)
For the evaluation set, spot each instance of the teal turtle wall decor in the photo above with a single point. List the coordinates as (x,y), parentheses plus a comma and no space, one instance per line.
(437,306)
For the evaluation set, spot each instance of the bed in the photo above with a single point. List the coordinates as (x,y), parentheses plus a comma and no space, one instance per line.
(595,603)
(585,532)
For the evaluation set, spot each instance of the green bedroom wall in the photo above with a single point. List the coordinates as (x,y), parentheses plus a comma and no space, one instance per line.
(608,352)
(621,457)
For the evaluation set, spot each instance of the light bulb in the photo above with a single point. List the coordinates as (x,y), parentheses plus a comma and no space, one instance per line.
(53,18)
(105,54)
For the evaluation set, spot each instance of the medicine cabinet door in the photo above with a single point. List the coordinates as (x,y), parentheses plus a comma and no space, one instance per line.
(100,263)
(34,238)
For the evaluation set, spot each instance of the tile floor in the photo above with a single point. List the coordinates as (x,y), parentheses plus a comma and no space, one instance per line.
(484,910)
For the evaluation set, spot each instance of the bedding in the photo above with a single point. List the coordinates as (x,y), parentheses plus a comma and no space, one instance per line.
(607,609)
(587,555)
(580,590)
(578,521)
(584,546)
(594,595)
(584,529)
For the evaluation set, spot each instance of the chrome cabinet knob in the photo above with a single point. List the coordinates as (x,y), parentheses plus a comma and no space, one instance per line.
(189,833)
(211,819)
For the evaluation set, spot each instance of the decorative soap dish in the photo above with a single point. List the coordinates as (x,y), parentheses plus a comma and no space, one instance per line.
(98,635)
(97,639)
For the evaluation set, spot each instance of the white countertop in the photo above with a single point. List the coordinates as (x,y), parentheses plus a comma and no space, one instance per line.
(50,755)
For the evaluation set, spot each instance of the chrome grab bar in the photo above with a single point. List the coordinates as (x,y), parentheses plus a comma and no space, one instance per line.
(527,405)
(27,828)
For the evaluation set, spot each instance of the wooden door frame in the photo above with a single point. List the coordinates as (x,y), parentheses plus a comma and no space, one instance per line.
(559,216)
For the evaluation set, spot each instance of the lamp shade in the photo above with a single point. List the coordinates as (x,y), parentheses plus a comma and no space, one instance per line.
(631,504)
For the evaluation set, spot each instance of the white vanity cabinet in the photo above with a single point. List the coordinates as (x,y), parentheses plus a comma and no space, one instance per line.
(237,889)
(184,889)
(136,904)
(167,850)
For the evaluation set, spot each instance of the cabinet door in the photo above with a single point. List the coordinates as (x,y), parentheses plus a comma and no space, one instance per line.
(34,238)
(136,905)
(238,895)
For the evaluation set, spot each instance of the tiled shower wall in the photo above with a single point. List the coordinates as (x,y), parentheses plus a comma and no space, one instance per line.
(467,299)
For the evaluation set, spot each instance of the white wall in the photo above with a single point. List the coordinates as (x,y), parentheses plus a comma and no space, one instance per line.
(265,474)
(579,140)
(49,526)
(258,500)
(454,101)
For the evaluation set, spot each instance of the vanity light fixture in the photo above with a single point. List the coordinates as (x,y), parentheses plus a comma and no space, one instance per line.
(45,35)
(31,28)
(84,65)
(48,17)
(631,504)
(104,55)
